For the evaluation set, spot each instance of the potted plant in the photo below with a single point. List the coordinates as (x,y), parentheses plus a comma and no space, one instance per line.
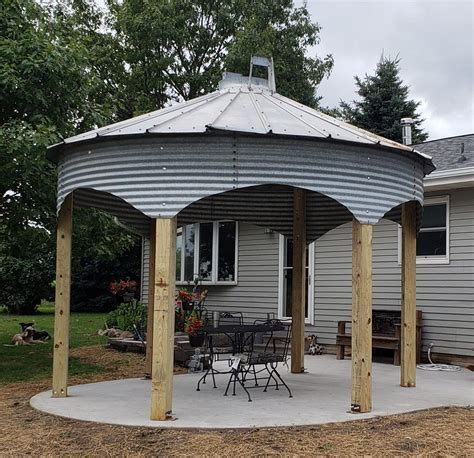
(186,299)
(192,326)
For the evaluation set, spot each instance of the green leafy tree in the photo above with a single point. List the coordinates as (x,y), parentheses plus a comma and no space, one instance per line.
(178,49)
(69,66)
(50,87)
(173,49)
(102,252)
(384,100)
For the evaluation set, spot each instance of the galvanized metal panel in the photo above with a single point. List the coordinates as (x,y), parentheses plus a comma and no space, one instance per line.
(161,177)
(268,206)
(126,215)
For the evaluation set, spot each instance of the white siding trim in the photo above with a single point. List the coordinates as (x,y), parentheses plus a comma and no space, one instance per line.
(449,179)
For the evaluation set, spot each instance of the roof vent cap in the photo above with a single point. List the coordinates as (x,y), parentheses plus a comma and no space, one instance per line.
(462,158)
(263,61)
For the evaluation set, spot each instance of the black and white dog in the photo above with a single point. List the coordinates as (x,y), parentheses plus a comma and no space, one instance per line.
(37,335)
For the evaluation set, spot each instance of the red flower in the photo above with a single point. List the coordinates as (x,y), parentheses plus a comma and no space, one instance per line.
(123,286)
(192,324)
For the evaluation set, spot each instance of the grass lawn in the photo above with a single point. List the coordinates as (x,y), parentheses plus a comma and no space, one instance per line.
(31,362)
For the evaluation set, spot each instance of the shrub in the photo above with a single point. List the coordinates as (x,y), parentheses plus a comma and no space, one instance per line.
(128,314)
(25,283)
(90,290)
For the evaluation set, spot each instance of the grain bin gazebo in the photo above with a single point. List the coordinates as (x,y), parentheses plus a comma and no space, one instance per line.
(242,153)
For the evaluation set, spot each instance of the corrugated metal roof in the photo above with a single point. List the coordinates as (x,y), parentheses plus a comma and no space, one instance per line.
(238,106)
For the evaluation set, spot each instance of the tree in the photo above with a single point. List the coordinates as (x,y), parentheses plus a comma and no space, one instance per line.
(278,29)
(173,49)
(178,49)
(50,86)
(69,66)
(384,100)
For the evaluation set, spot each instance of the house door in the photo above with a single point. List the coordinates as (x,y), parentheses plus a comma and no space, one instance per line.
(285,283)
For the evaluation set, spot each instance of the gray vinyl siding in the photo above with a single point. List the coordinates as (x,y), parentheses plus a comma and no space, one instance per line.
(445,292)
(256,293)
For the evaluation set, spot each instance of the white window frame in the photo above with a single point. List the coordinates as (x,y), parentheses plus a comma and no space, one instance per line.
(281,254)
(215,255)
(444,259)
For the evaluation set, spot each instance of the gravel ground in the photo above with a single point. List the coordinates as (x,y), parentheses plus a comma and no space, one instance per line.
(24,431)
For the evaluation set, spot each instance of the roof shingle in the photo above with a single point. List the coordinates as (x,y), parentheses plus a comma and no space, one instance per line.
(449,153)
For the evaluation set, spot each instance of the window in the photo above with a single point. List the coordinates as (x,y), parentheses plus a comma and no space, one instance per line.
(285,289)
(207,251)
(432,243)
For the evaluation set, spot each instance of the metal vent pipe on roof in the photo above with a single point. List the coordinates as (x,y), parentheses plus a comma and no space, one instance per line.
(406,130)
(263,61)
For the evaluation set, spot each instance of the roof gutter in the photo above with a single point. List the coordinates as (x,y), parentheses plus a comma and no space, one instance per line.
(449,179)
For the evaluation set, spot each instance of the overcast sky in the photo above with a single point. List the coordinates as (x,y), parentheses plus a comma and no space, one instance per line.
(434,39)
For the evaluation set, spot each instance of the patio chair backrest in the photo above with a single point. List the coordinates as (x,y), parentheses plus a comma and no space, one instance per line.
(223,343)
(278,341)
(231,318)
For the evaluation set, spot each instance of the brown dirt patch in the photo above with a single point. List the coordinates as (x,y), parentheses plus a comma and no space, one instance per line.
(24,431)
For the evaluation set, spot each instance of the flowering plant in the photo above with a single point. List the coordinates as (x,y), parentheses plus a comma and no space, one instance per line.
(119,288)
(192,324)
(184,296)
(189,309)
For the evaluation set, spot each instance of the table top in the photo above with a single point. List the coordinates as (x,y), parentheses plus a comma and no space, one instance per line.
(241,328)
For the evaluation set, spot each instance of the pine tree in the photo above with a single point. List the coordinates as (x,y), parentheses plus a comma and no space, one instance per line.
(384,100)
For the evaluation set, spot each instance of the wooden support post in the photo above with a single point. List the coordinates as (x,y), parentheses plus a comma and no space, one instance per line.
(163,318)
(408,316)
(151,304)
(361,317)
(299,280)
(62,300)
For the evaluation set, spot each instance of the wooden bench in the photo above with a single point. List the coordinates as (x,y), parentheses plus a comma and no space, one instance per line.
(386,334)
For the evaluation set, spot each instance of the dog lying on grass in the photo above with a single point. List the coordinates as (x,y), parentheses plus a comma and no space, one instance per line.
(24,338)
(37,335)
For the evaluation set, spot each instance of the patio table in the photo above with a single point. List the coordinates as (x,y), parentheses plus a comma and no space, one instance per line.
(240,336)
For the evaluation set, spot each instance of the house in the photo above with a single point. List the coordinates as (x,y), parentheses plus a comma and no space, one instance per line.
(248,268)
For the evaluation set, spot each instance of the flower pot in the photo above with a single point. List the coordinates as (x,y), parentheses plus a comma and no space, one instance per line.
(187,306)
(197,340)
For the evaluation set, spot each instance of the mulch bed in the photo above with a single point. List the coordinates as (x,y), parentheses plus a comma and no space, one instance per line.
(25,431)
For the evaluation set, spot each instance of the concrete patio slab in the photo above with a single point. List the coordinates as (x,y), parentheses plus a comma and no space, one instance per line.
(320,396)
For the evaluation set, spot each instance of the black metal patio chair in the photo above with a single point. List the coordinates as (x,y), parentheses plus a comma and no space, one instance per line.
(220,347)
(223,346)
(275,352)
(239,365)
